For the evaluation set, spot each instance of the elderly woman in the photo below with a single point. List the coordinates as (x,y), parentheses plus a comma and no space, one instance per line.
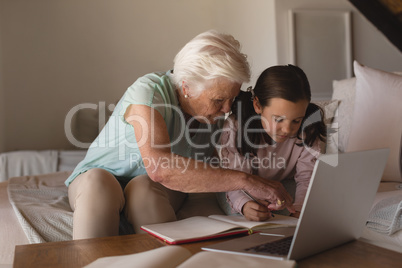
(155,147)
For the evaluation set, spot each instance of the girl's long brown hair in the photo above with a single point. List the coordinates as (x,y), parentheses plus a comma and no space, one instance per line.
(286,82)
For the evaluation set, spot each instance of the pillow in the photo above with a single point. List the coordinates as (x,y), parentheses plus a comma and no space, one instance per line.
(344,91)
(329,107)
(377,120)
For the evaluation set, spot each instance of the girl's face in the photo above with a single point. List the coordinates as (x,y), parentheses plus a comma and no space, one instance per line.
(282,118)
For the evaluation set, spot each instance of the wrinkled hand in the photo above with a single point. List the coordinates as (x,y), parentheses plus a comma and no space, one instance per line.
(253,211)
(271,191)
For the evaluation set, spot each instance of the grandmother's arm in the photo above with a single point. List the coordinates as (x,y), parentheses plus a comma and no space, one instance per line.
(186,174)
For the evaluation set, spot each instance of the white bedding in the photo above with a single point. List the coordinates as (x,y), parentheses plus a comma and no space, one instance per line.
(386,215)
(22,163)
(41,206)
(11,233)
(386,191)
(392,242)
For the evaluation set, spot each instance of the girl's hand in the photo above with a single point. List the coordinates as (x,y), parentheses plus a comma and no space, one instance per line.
(253,211)
(271,191)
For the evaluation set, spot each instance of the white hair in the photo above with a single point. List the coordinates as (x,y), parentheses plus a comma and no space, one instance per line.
(210,55)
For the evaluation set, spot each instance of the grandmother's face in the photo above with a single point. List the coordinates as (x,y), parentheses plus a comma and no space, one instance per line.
(214,101)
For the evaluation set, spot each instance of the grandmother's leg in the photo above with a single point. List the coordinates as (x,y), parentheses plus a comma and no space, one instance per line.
(96,198)
(148,202)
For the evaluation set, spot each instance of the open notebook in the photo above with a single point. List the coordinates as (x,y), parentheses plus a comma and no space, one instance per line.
(180,257)
(202,228)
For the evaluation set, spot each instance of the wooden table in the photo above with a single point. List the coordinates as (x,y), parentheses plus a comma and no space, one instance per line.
(79,253)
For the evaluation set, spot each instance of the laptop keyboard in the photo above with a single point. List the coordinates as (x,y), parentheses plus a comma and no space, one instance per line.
(279,247)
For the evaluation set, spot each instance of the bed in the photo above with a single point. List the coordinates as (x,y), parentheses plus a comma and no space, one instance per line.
(33,198)
(34,205)
(20,163)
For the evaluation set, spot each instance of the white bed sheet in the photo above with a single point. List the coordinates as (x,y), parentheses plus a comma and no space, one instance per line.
(26,163)
(11,233)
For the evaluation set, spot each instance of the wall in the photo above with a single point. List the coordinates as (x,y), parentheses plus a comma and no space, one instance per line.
(58,54)
(252,22)
(2,102)
(369,46)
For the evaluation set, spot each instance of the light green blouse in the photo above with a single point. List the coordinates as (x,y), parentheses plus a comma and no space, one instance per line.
(116,150)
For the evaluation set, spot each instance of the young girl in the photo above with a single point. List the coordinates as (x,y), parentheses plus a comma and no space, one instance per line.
(273,132)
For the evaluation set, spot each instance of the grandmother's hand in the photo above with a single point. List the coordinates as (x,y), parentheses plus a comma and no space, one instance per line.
(271,191)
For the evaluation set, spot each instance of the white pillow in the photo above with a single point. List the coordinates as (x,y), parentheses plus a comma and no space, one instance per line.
(377,118)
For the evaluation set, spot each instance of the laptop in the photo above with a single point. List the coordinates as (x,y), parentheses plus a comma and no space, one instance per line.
(335,209)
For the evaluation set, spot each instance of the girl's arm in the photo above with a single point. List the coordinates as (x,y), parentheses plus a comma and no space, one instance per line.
(186,174)
(304,170)
(232,159)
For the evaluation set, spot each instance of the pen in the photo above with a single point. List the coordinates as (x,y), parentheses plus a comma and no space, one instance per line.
(255,200)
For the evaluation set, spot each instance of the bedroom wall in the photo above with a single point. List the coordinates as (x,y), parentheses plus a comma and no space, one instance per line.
(252,22)
(58,54)
(369,46)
